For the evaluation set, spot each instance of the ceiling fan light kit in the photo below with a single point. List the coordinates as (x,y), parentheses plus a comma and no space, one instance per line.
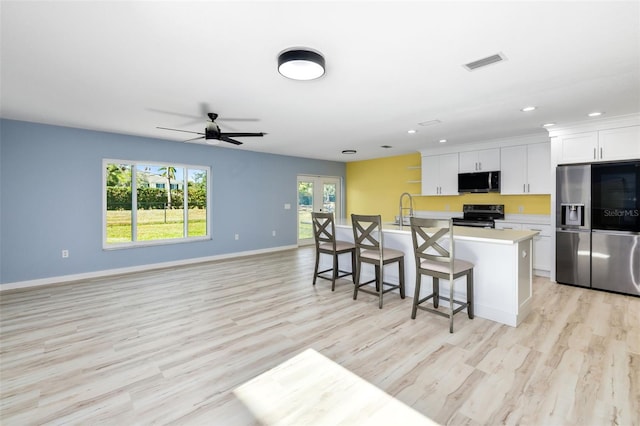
(301,64)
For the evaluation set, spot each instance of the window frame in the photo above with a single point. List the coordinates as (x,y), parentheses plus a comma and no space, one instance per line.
(167,241)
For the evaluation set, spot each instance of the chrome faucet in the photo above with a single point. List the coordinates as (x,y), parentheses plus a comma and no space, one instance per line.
(410,208)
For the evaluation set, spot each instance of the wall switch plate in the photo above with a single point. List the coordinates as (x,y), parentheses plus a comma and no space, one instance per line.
(237,236)
(287,206)
(65,254)
(273,233)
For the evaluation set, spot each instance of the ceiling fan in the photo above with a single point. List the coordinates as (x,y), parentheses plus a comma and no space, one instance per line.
(212,132)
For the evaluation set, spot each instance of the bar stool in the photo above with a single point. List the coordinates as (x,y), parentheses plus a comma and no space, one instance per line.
(324,232)
(367,235)
(434,260)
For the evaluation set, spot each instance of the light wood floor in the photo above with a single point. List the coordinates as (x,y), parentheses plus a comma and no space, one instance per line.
(170,346)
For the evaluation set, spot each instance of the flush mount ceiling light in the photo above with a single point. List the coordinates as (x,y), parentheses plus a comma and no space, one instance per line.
(548,124)
(442,141)
(595,114)
(301,64)
(528,108)
(412,131)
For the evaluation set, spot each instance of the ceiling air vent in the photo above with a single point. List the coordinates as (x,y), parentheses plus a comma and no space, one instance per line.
(430,123)
(498,57)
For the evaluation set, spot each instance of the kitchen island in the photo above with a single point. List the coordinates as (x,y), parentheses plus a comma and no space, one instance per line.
(503,270)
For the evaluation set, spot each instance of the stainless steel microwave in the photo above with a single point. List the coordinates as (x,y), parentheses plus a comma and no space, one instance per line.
(479,182)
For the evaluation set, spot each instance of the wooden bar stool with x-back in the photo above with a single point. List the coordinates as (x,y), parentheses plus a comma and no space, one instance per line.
(438,262)
(367,234)
(324,232)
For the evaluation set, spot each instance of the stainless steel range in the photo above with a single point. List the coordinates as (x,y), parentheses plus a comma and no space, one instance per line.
(480,215)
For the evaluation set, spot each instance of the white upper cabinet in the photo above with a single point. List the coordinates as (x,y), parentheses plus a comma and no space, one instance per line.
(440,174)
(526,169)
(486,160)
(603,145)
(619,144)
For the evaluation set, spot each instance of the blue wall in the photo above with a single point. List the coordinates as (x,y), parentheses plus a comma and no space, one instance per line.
(51,199)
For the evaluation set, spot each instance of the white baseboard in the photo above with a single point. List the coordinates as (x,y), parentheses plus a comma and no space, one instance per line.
(139,268)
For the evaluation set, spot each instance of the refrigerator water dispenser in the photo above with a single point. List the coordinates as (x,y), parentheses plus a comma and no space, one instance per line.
(572,214)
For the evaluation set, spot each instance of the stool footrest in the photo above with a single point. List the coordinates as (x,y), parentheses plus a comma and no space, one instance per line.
(344,274)
(462,305)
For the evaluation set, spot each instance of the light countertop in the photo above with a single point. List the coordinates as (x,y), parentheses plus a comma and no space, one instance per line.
(465,233)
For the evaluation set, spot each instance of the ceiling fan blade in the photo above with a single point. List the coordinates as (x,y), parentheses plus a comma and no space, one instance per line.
(238,135)
(178,114)
(237,119)
(194,139)
(178,130)
(227,139)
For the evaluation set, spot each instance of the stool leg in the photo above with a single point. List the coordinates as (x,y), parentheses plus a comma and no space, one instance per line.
(451,306)
(315,271)
(353,265)
(380,280)
(436,292)
(470,294)
(416,295)
(335,271)
(401,276)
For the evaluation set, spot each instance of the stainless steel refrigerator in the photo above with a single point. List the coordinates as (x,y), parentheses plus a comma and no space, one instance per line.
(573,225)
(615,227)
(598,226)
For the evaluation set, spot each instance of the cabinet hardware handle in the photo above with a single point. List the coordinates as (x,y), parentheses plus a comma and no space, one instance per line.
(524,188)
(594,154)
(528,187)
(601,153)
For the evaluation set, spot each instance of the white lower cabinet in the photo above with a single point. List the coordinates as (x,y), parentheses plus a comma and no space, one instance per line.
(541,242)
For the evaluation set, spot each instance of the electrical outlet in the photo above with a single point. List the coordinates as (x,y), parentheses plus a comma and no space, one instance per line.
(237,237)
(446,207)
(65,254)
(273,233)
(520,209)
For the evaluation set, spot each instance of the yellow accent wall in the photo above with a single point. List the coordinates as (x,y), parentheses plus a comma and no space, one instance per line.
(375,186)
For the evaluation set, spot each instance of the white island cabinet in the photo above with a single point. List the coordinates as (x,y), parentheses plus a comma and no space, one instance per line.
(502,274)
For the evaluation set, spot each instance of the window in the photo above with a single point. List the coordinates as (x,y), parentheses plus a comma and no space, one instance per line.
(162,214)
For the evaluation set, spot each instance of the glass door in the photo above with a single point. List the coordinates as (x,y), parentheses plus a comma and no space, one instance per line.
(319,194)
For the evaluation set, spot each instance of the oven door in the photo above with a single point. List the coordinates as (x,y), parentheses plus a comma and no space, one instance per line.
(615,196)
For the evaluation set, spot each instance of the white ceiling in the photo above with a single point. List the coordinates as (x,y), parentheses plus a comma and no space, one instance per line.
(129,66)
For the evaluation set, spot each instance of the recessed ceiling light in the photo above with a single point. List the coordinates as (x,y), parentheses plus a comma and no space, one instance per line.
(548,124)
(442,140)
(412,131)
(349,151)
(595,114)
(527,109)
(386,146)
(301,64)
